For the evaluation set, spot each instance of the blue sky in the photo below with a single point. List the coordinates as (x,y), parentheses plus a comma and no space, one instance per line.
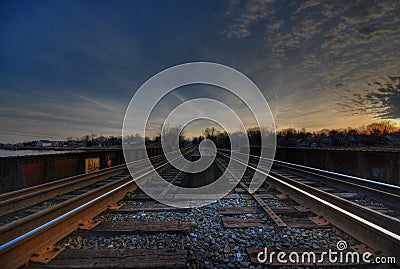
(68,68)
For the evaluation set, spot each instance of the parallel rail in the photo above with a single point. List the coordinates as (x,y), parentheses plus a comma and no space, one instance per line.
(383,189)
(19,250)
(16,200)
(377,190)
(36,232)
(21,239)
(376,230)
(11,202)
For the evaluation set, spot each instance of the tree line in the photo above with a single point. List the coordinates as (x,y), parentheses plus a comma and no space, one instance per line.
(375,134)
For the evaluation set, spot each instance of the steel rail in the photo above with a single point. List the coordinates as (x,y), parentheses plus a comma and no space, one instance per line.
(33,189)
(64,218)
(358,221)
(388,193)
(21,226)
(170,185)
(18,251)
(16,200)
(28,190)
(368,183)
(389,197)
(275,218)
(14,229)
(388,188)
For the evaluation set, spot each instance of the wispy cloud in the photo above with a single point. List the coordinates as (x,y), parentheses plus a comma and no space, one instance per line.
(338,47)
(117,113)
(250,12)
(78,64)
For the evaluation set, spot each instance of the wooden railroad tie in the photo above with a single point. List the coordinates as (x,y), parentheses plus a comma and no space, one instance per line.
(127,227)
(117,258)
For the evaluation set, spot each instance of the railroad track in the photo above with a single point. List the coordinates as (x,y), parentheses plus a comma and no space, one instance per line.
(376,196)
(25,209)
(139,232)
(382,192)
(13,201)
(341,200)
(75,200)
(127,219)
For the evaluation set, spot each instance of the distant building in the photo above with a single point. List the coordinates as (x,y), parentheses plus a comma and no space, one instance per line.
(41,144)
(301,143)
(314,145)
(57,143)
(326,142)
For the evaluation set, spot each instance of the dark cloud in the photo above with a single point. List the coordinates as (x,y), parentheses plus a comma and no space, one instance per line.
(245,15)
(383,102)
(73,62)
(339,45)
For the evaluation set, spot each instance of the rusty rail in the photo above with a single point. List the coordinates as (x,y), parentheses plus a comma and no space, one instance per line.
(18,251)
(373,188)
(376,230)
(16,200)
(50,190)
(14,229)
(278,221)
(21,239)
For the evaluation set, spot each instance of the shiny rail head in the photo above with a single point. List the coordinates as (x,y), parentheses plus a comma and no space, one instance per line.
(326,172)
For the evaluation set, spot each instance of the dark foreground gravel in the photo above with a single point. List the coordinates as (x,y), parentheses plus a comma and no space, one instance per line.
(210,245)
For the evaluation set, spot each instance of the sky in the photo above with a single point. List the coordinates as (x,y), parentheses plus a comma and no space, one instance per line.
(70,68)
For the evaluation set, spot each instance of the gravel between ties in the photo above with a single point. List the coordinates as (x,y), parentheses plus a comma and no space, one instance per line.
(210,245)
